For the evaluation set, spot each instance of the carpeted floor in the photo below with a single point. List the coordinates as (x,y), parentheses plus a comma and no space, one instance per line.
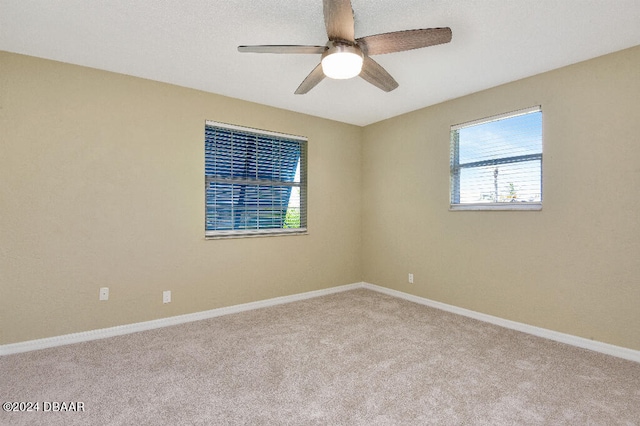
(352,358)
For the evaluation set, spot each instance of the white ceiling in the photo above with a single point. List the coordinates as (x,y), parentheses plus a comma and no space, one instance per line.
(193,43)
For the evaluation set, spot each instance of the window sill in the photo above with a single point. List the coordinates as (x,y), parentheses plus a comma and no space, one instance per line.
(220,235)
(496,207)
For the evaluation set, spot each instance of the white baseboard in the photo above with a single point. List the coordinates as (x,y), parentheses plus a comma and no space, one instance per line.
(605,348)
(86,336)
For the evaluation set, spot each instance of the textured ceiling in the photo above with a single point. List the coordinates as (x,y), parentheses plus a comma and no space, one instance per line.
(193,43)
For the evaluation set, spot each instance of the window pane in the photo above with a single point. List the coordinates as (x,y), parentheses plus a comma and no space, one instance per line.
(508,137)
(519,182)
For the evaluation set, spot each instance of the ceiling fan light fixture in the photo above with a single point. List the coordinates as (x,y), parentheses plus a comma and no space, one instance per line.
(342,61)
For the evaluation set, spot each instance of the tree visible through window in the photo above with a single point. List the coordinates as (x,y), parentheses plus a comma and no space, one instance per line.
(496,163)
(255,181)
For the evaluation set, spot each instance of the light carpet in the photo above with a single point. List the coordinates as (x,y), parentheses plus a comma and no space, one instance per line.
(352,358)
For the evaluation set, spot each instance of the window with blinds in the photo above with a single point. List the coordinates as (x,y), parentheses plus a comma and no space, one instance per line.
(255,182)
(496,163)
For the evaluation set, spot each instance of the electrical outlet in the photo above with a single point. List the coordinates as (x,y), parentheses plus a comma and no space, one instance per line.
(410,278)
(166,296)
(104,293)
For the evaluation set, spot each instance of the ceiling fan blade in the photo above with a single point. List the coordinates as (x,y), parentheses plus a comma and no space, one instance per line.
(282,49)
(404,40)
(315,77)
(376,75)
(338,19)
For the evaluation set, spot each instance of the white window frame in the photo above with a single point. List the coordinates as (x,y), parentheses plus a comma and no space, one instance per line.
(455,167)
(302,185)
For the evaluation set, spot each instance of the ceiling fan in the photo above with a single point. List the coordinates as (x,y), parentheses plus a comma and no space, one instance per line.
(345,56)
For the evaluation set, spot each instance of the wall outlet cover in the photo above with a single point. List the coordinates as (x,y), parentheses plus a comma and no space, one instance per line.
(104,293)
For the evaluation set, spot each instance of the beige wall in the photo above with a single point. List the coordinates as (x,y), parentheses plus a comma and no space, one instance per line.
(101,184)
(573,267)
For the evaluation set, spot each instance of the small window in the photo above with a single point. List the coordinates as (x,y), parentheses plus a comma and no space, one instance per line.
(496,163)
(255,182)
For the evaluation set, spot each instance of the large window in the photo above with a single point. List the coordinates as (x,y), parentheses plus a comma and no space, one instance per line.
(496,163)
(255,182)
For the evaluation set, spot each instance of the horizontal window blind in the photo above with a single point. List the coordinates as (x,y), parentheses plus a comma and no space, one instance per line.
(498,160)
(255,181)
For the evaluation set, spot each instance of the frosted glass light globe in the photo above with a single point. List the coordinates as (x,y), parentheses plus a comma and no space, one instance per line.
(342,62)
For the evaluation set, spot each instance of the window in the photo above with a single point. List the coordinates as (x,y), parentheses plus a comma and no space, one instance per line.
(255,182)
(496,163)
